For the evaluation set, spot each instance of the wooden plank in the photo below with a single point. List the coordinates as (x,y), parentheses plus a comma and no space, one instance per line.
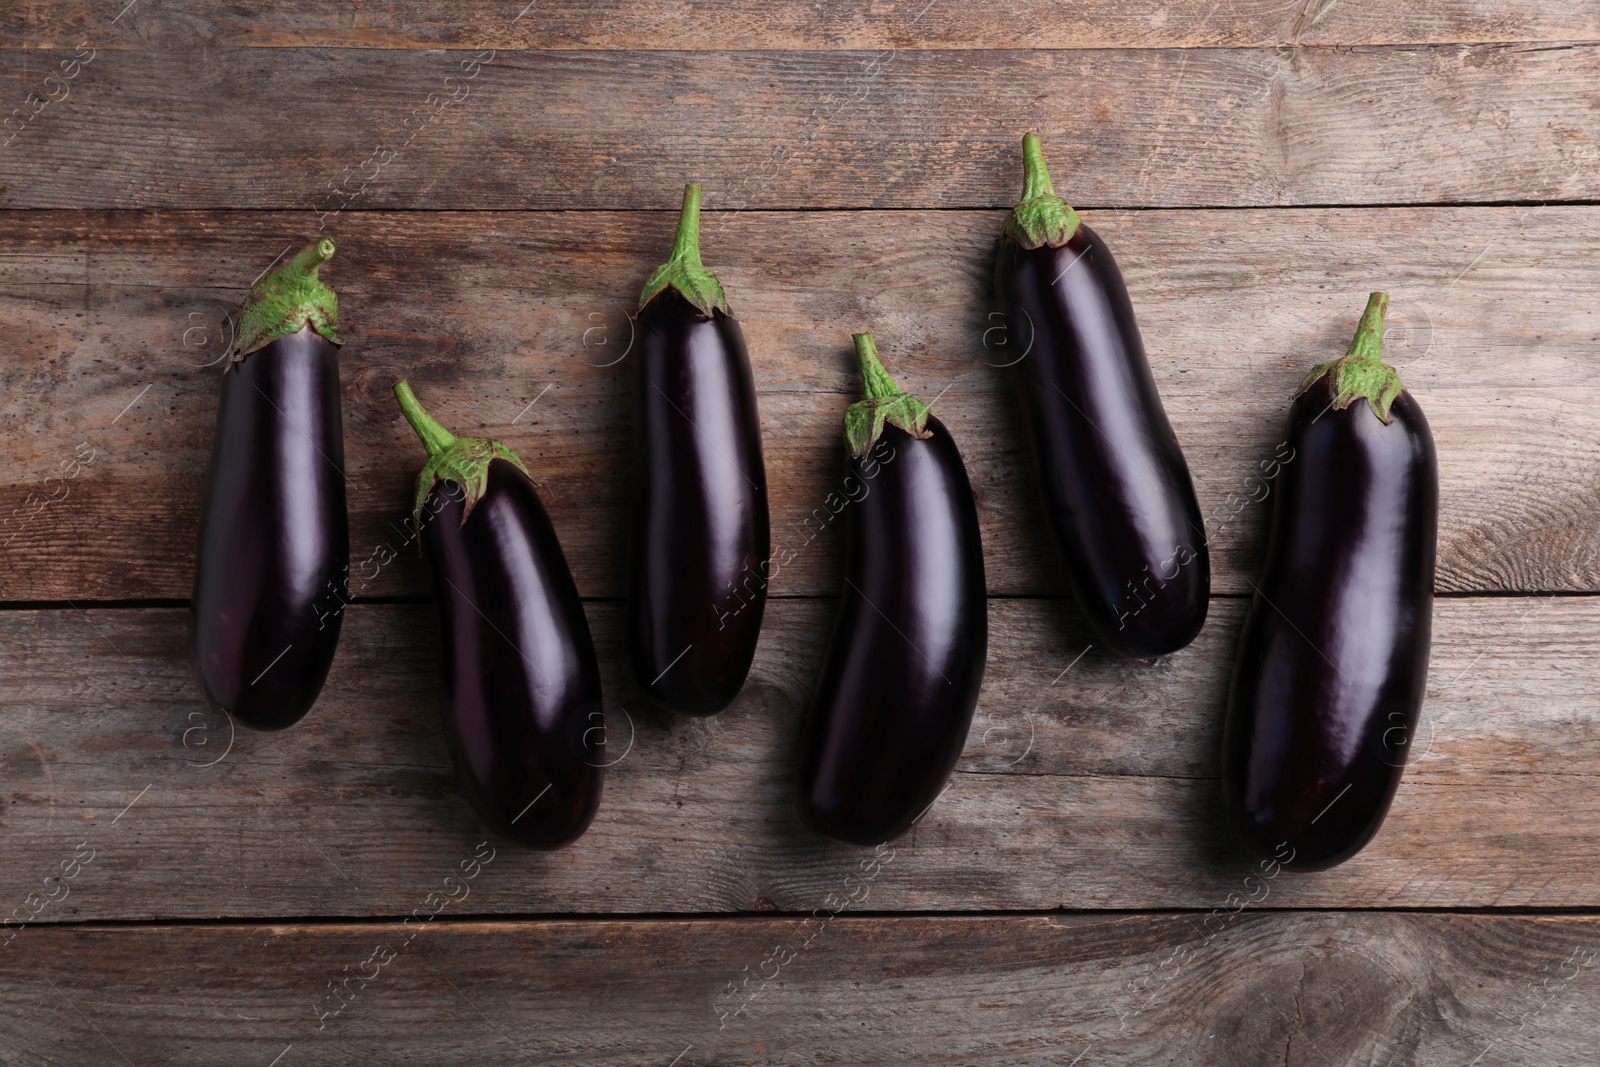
(1093,788)
(766,24)
(317,127)
(515,325)
(1140,989)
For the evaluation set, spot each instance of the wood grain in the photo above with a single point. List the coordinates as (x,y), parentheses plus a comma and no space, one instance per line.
(514,325)
(314,127)
(1301,989)
(1086,782)
(497,213)
(766,24)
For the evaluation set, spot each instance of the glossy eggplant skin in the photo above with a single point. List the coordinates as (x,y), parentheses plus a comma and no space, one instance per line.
(700,533)
(274,551)
(1118,500)
(907,653)
(1333,661)
(522,706)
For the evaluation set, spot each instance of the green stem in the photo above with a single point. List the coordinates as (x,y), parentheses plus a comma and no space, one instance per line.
(686,241)
(882,404)
(1035,171)
(434,436)
(1361,373)
(1368,341)
(288,299)
(683,270)
(875,381)
(1041,218)
(463,460)
(312,256)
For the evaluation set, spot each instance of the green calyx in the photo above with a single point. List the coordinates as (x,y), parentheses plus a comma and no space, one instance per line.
(683,270)
(288,298)
(1040,217)
(883,404)
(463,460)
(1361,373)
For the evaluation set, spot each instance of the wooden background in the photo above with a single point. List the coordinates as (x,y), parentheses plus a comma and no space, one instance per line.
(501,178)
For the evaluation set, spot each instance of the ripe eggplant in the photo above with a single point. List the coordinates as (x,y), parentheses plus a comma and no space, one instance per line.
(522,707)
(911,637)
(700,536)
(1333,662)
(274,554)
(1118,500)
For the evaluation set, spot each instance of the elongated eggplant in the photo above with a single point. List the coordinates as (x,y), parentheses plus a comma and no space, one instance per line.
(911,638)
(698,558)
(274,558)
(522,707)
(1333,663)
(1118,500)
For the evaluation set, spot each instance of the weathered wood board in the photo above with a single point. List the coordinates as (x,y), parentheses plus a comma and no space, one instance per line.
(501,179)
(325,129)
(1299,989)
(638,25)
(515,325)
(1086,782)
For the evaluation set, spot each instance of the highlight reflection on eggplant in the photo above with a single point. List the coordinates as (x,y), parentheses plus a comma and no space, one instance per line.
(700,536)
(1118,499)
(522,706)
(1333,662)
(274,554)
(906,657)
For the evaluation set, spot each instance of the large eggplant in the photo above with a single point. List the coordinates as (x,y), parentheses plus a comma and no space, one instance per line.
(1333,663)
(911,637)
(698,558)
(1118,500)
(274,557)
(522,706)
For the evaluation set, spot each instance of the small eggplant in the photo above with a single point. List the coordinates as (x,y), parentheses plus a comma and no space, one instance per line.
(698,564)
(1333,662)
(273,563)
(1117,496)
(522,707)
(911,638)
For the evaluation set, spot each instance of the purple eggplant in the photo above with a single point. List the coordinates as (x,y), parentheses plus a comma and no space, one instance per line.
(1118,499)
(1333,662)
(698,562)
(522,706)
(273,561)
(909,643)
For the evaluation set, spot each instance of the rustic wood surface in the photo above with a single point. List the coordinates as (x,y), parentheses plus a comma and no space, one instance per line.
(318,128)
(1015,991)
(637,25)
(1494,322)
(1093,788)
(501,178)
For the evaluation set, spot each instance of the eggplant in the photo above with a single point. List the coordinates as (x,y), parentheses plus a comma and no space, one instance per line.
(1333,662)
(1118,500)
(273,563)
(906,656)
(522,706)
(698,558)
